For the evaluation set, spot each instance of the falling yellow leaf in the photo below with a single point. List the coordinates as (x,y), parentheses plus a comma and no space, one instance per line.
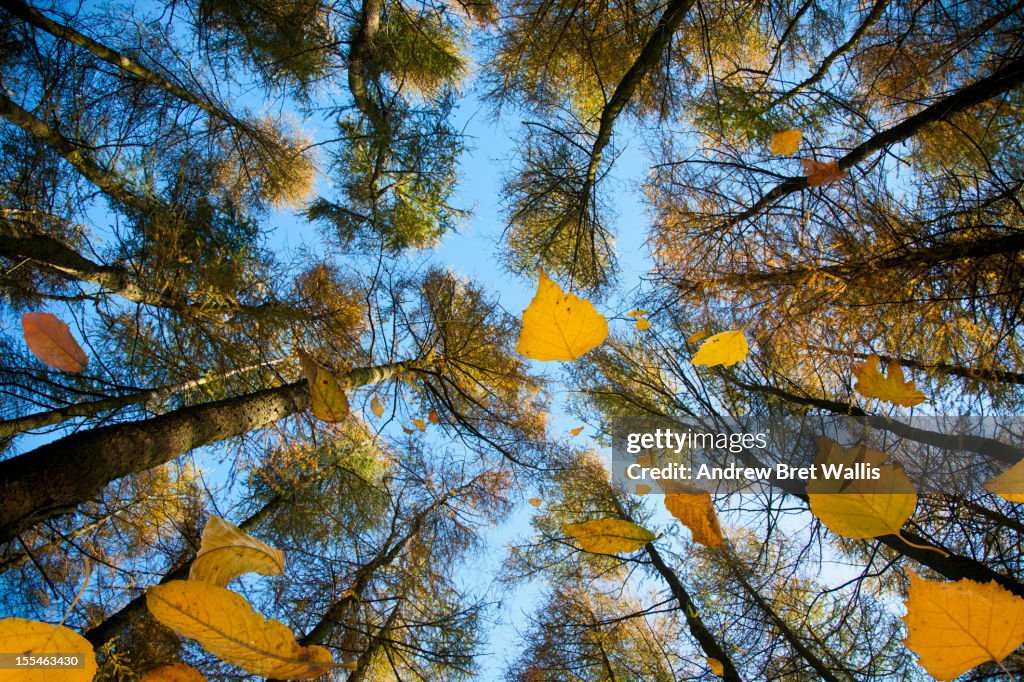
(577,431)
(226,553)
(1009,485)
(420,424)
(329,402)
(559,326)
(51,341)
(226,625)
(953,627)
(726,348)
(433,417)
(637,313)
(642,324)
(697,337)
(716,666)
(535,502)
(892,388)
(786,142)
(23,637)
(822,173)
(376,407)
(860,507)
(696,511)
(642,489)
(177,672)
(609,536)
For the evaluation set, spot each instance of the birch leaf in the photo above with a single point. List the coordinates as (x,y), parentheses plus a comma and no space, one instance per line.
(1009,485)
(891,388)
(23,637)
(726,348)
(696,511)
(329,402)
(51,341)
(786,142)
(559,326)
(953,627)
(226,625)
(226,552)
(609,536)
(376,407)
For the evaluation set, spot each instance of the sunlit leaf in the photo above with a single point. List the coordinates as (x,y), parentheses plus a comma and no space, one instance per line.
(559,326)
(637,313)
(376,407)
(892,388)
(726,348)
(51,341)
(577,431)
(329,402)
(695,510)
(420,424)
(1009,485)
(609,536)
(226,625)
(953,627)
(226,552)
(29,637)
(642,324)
(822,172)
(786,142)
(716,666)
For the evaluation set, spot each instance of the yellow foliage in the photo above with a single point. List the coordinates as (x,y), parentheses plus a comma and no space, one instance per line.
(329,401)
(953,627)
(695,511)
(860,508)
(226,553)
(609,536)
(559,326)
(226,625)
(726,348)
(891,388)
(786,142)
(1009,485)
(27,637)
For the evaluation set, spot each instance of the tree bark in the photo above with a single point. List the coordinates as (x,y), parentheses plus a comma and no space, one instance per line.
(55,478)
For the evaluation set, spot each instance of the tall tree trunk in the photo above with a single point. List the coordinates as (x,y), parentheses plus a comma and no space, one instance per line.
(55,478)
(38,420)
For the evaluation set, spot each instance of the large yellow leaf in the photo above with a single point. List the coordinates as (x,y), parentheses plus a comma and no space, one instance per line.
(953,627)
(860,508)
(51,341)
(786,142)
(559,326)
(29,637)
(329,401)
(226,553)
(726,348)
(226,625)
(608,536)
(176,672)
(642,324)
(1009,485)
(871,383)
(695,511)
(716,666)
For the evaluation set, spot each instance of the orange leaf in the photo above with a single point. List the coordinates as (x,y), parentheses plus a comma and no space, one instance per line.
(433,418)
(534,502)
(822,173)
(420,424)
(177,672)
(786,142)
(577,431)
(50,340)
(642,324)
(695,511)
